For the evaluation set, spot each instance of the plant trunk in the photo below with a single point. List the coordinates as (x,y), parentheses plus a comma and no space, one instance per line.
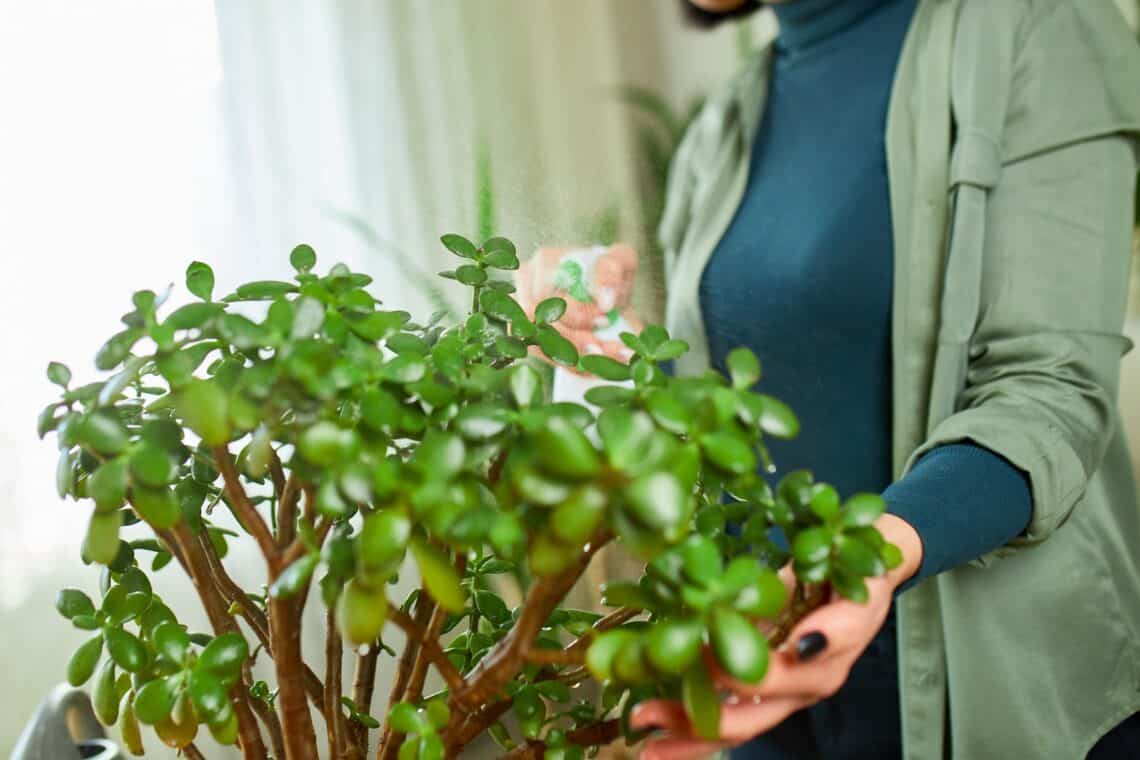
(296,721)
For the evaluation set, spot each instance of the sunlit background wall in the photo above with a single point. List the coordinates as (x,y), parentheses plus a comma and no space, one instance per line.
(138,135)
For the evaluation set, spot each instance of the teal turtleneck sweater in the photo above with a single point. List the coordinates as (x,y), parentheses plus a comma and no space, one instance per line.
(803,277)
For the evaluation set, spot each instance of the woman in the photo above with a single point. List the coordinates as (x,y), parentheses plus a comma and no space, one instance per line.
(918,213)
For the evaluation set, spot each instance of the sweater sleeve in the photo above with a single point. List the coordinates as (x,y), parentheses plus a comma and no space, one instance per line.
(964,501)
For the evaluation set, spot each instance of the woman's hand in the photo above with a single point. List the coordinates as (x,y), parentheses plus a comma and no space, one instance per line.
(811,666)
(590,304)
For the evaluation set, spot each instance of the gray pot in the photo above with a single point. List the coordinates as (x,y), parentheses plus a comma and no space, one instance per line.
(64,728)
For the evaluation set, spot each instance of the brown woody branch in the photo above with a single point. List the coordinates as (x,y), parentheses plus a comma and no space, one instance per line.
(424,606)
(805,599)
(243,508)
(334,715)
(251,613)
(597,734)
(504,661)
(363,684)
(574,653)
(249,737)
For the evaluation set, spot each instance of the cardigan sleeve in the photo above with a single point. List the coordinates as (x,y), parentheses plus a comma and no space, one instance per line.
(1041,385)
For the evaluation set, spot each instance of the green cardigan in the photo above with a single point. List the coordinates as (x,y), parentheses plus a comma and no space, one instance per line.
(1011,148)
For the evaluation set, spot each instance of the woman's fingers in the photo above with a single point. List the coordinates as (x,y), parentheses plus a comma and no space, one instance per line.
(739,721)
(680,749)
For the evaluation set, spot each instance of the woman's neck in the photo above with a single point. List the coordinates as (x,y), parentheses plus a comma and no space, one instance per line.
(803,23)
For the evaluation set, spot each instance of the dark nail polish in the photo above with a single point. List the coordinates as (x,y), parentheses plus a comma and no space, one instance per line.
(810,645)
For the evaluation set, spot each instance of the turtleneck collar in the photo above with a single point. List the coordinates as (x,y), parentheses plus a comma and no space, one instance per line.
(803,23)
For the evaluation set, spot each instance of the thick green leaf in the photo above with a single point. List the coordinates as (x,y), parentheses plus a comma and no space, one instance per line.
(70,602)
(482,421)
(777,419)
(625,435)
(204,407)
(600,656)
(361,613)
(702,560)
(58,374)
(243,333)
(158,506)
(525,385)
(576,519)
(631,664)
(743,368)
(104,698)
(460,246)
(103,433)
(764,597)
(125,649)
(549,310)
(383,538)
(262,290)
(824,501)
(857,558)
(293,578)
(128,725)
(702,702)
(499,246)
(439,576)
(193,315)
(326,443)
(151,466)
(739,646)
(729,452)
(891,555)
(303,257)
(440,455)
(812,545)
(116,349)
(658,502)
(670,350)
(200,280)
(207,693)
(378,326)
(604,367)
(405,368)
(555,346)
(849,586)
(470,274)
(171,641)
(82,664)
(492,607)
(564,450)
(502,307)
(862,509)
(669,411)
(224,656)
(155,699)
(101,544)
(674,645)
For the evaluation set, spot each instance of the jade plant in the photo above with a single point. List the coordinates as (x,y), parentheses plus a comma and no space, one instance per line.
(352,443)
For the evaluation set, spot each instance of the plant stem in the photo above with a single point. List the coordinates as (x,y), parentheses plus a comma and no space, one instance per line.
(597,734)
(249,737)
(363,683)
(296,722)
(805,599)
(574,653)
(265,713)
(504,661)
(333,713)
(429,649)
(422,614)
(251,613)
(243,508)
